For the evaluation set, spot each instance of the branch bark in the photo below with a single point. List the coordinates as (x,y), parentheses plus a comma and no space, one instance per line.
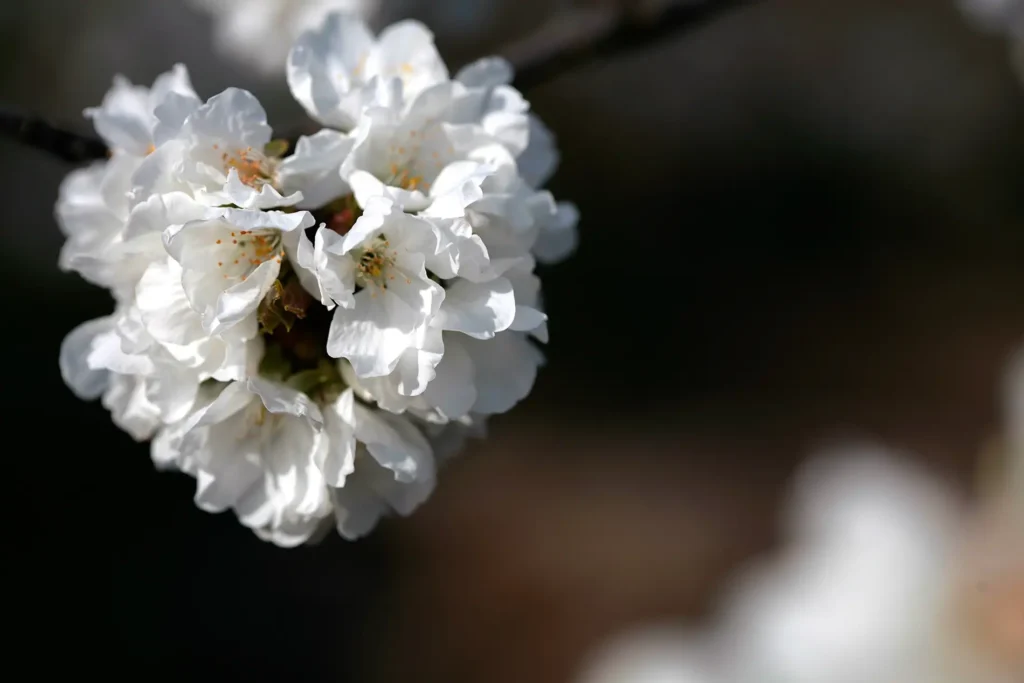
(569,41)
(66,145)
(577,38)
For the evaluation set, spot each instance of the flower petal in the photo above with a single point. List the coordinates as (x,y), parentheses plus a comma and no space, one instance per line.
(480,310)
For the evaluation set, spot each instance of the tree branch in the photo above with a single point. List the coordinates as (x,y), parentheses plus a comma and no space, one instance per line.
(569,41)
(576,38)
(34,132)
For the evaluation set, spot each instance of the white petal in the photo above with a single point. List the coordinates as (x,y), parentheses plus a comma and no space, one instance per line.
(171,115)
(366,187)
(453,390)
(281,399)
(235,116)
(125,118)
(173,392)
(314,169)
(456,187)
(395,444)
(326,67)
(558,237)
(334,269)
(107,353)
(539,160)
(164,307)
(129,408)
(480,310)
(416,367)
(370,336)
(357,507)
(375,212)
(87,383)
(405,50)
(505,369)
(157,213)
(486,73)
(337,460)
(235,192)
(242,299)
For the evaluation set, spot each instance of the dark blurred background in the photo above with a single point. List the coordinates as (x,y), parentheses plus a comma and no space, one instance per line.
(800,221)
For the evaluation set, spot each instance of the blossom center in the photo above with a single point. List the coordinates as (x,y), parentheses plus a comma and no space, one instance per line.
(406,179)
(248,249)
(253,167)
(374,264)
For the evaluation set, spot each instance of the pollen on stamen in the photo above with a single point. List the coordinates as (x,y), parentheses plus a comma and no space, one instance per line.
(236,262)
(220,264)
(218,241)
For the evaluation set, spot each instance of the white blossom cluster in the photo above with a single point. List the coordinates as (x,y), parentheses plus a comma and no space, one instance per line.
(308,334)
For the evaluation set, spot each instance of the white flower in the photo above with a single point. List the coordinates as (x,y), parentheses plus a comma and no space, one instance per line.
(136,120)
(996,15)
(169,320)
(260,33)
(253,450)
(876,585)
(1000,16)
(339,68)
(650,654)
(376,462)
(442,140)
(92,210)
(384,254)
(144,383)
(453,377)
(856,597)
(218,154)
(230,260)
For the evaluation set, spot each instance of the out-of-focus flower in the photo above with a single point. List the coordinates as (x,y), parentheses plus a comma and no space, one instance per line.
(260,33)
(308,335)
(887,577)
(1000,16)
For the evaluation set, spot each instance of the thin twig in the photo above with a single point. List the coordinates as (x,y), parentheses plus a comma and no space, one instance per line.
(32,131)
(567,42)
(574,39)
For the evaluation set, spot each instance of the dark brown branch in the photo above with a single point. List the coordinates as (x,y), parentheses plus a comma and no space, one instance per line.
(576,38)
(568,42)
(34,132)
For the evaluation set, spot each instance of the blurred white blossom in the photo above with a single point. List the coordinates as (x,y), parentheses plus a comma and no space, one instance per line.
(1004,17)
(886,577)
(260,33)
(310,334)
